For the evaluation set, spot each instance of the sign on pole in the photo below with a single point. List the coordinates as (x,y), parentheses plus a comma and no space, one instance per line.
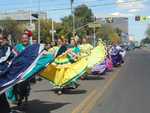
(52,32)
(31,26)
(92,25)
(142,18)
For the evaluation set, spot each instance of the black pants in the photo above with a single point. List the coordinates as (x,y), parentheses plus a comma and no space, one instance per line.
(4,105)
(22,91)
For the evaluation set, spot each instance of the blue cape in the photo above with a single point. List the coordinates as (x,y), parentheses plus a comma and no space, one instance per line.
(24,66)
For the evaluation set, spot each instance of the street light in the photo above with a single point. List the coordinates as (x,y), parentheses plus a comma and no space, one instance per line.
(52,31)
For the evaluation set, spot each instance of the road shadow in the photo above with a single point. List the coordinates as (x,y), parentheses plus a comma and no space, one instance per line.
(95,77)
(72,92)
(37,106)
(65,91)
(46,90)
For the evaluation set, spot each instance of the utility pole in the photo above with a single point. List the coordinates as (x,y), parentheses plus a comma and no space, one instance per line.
(94,34)
(30,19)
(30,12)
(73,16)
(52,30)
(39,26)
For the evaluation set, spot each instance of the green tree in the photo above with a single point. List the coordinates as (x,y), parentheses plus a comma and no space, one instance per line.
(118,31)
(145,40)
(148,32)
(45,27)
(104,32)
(13,28)
(66,26)
(83,15)
(115,39)
(108,34)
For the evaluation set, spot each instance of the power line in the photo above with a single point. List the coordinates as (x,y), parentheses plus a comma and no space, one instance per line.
(104,4)
(92,6)
(46,3)
(114,3)
(99,5)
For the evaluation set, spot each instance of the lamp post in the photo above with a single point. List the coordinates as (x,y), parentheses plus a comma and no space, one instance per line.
(52,31)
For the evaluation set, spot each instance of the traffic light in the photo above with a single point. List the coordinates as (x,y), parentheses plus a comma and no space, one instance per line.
(35,15)
(144,18)
(72,1)
(109,20)
(137,18)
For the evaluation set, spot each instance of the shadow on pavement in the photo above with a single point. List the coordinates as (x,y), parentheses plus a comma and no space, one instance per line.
(37,106)
(77,91)
(95,77)
(65,91)
(47,90)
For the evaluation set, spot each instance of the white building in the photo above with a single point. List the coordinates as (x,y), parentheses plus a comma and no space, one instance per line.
(118,22)
(22,15)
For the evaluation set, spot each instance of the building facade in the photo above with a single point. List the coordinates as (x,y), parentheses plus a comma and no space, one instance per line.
(120,23)
(22,15)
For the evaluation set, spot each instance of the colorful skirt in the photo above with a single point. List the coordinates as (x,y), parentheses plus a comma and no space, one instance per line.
(109,64)
(24,66)
(99,68)
(63,75)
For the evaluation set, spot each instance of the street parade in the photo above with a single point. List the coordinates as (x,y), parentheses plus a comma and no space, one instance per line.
(74,56)
(62,65)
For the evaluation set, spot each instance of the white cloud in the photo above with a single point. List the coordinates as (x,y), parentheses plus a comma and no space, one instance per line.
(130,4)
(133,10)
(118,14)
(118,1)
(84,1)
(88,0)
(114,14)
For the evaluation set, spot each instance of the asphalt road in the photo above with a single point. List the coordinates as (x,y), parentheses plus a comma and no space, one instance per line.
(125,90)
(43,99)
(130,92)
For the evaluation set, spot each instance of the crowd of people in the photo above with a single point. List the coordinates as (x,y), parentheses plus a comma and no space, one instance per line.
(63,64)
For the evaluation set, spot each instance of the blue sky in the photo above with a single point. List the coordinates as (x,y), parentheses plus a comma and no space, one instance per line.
(136,29)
